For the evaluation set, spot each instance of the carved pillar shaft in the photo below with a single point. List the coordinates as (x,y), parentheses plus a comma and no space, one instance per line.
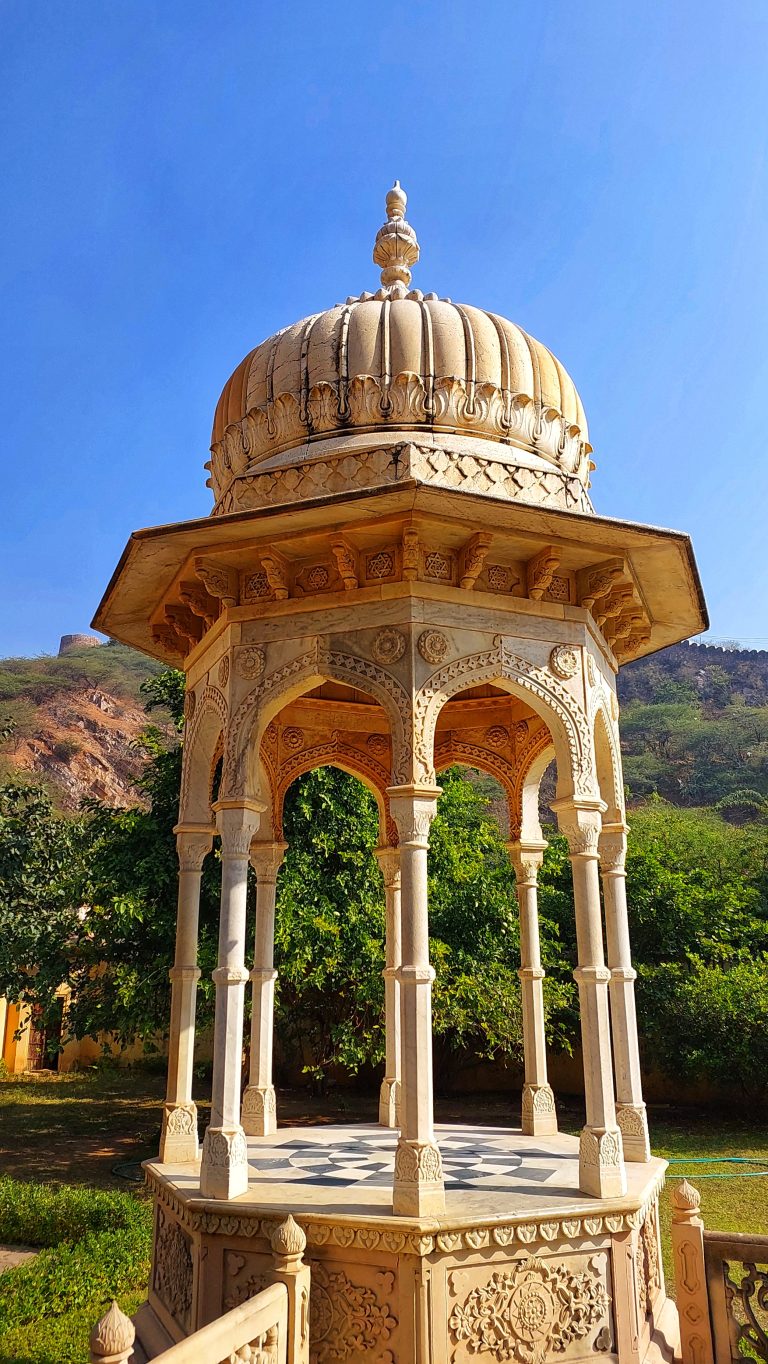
(224,1170)
(418,1164)
(178,1139)
(389,1096)
(259,1112)
(630,1109)
(538,1111)
(601,1162)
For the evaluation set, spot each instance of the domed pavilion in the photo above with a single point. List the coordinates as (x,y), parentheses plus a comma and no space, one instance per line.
(403,570)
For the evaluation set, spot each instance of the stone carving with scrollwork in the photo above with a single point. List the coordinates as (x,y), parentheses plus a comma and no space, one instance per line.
(490,665)
(348,1320)
(539,1229)
(342,667)
(173,1268)
(529,1312)
(211,703)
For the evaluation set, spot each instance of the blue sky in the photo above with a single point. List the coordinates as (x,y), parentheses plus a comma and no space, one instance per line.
(181,179)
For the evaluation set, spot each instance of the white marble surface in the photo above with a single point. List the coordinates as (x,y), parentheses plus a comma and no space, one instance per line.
(490,1172)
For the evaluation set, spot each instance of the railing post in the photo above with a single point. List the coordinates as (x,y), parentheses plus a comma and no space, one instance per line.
(288,1245)
(691,1276)
(112,1338)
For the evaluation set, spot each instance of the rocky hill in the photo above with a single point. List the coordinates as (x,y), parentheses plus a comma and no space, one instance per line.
(694,723)
(74,722)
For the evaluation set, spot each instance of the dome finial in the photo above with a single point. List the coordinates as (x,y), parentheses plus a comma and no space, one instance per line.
(396,248)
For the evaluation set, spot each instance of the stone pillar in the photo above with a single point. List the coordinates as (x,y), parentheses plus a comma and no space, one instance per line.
(389,1095)
(288,1243)
(419,1186)
(538,1109)
(178,1139)
(696,1344)
(630,1109)
(224,1170)
(259,1113)
(601,1159)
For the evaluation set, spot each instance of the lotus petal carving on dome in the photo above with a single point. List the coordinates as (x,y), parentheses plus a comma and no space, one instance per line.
(364,400)
(407,398)
(286,419)
(323,407)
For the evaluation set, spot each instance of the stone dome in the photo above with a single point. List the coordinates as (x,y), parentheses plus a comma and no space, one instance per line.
(400,361)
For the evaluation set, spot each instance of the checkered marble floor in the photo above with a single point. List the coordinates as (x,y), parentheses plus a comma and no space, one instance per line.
(344,1157)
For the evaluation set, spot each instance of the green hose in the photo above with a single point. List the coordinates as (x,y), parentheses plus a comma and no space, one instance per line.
(724,1160)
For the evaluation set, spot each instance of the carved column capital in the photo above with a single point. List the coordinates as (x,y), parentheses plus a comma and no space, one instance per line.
(526,858)
(389,862)
(613,849)
(580,822)
(237,822)
(267,859)
(413,808)
(193,843)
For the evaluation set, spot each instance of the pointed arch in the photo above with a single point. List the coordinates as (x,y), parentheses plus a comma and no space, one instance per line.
(201,743)
(292,680)
(564,717)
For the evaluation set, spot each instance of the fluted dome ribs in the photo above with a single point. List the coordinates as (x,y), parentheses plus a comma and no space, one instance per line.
(398,360)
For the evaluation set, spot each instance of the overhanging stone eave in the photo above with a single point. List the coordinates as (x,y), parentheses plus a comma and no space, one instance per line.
(663,560)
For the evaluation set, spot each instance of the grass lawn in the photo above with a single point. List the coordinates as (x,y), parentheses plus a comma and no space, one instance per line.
(70,1133)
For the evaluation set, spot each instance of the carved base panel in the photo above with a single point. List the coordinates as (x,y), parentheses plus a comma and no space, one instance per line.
(178,1138)
(633,1124)
(389,1103)
(224,1166)
(539,1118)
(567,1287)
(259,1111)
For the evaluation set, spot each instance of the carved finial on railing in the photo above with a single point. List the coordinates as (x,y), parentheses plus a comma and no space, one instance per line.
(288,1244)
(396,248)
(288,1240)
(112,1337)
(685,1202)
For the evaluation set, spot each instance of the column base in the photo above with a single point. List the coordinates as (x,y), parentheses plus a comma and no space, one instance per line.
(178,1138)
(224,1168)
(539,1118)
(389,1103)
(633,1123)
(259,1111)
(601,1163)
(419,1187)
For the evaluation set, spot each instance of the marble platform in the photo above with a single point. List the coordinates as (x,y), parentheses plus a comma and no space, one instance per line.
(516,1236)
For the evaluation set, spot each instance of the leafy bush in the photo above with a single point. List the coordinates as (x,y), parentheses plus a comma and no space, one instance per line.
(96,1247)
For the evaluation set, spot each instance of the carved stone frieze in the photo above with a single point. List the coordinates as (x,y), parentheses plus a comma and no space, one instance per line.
(418,1163)
(348,1320)
(564,661)
(388,646)
(488,474)
(433,646)
(172,1276)
(250,662)
(531,1311)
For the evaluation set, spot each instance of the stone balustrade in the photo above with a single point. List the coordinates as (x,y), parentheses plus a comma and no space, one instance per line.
(722,1287)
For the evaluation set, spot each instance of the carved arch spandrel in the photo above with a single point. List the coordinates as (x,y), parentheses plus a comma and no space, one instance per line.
(449,750)
(310,669)
(608,764)
(200,750)
(335,753)
(535,758)
(564,717)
